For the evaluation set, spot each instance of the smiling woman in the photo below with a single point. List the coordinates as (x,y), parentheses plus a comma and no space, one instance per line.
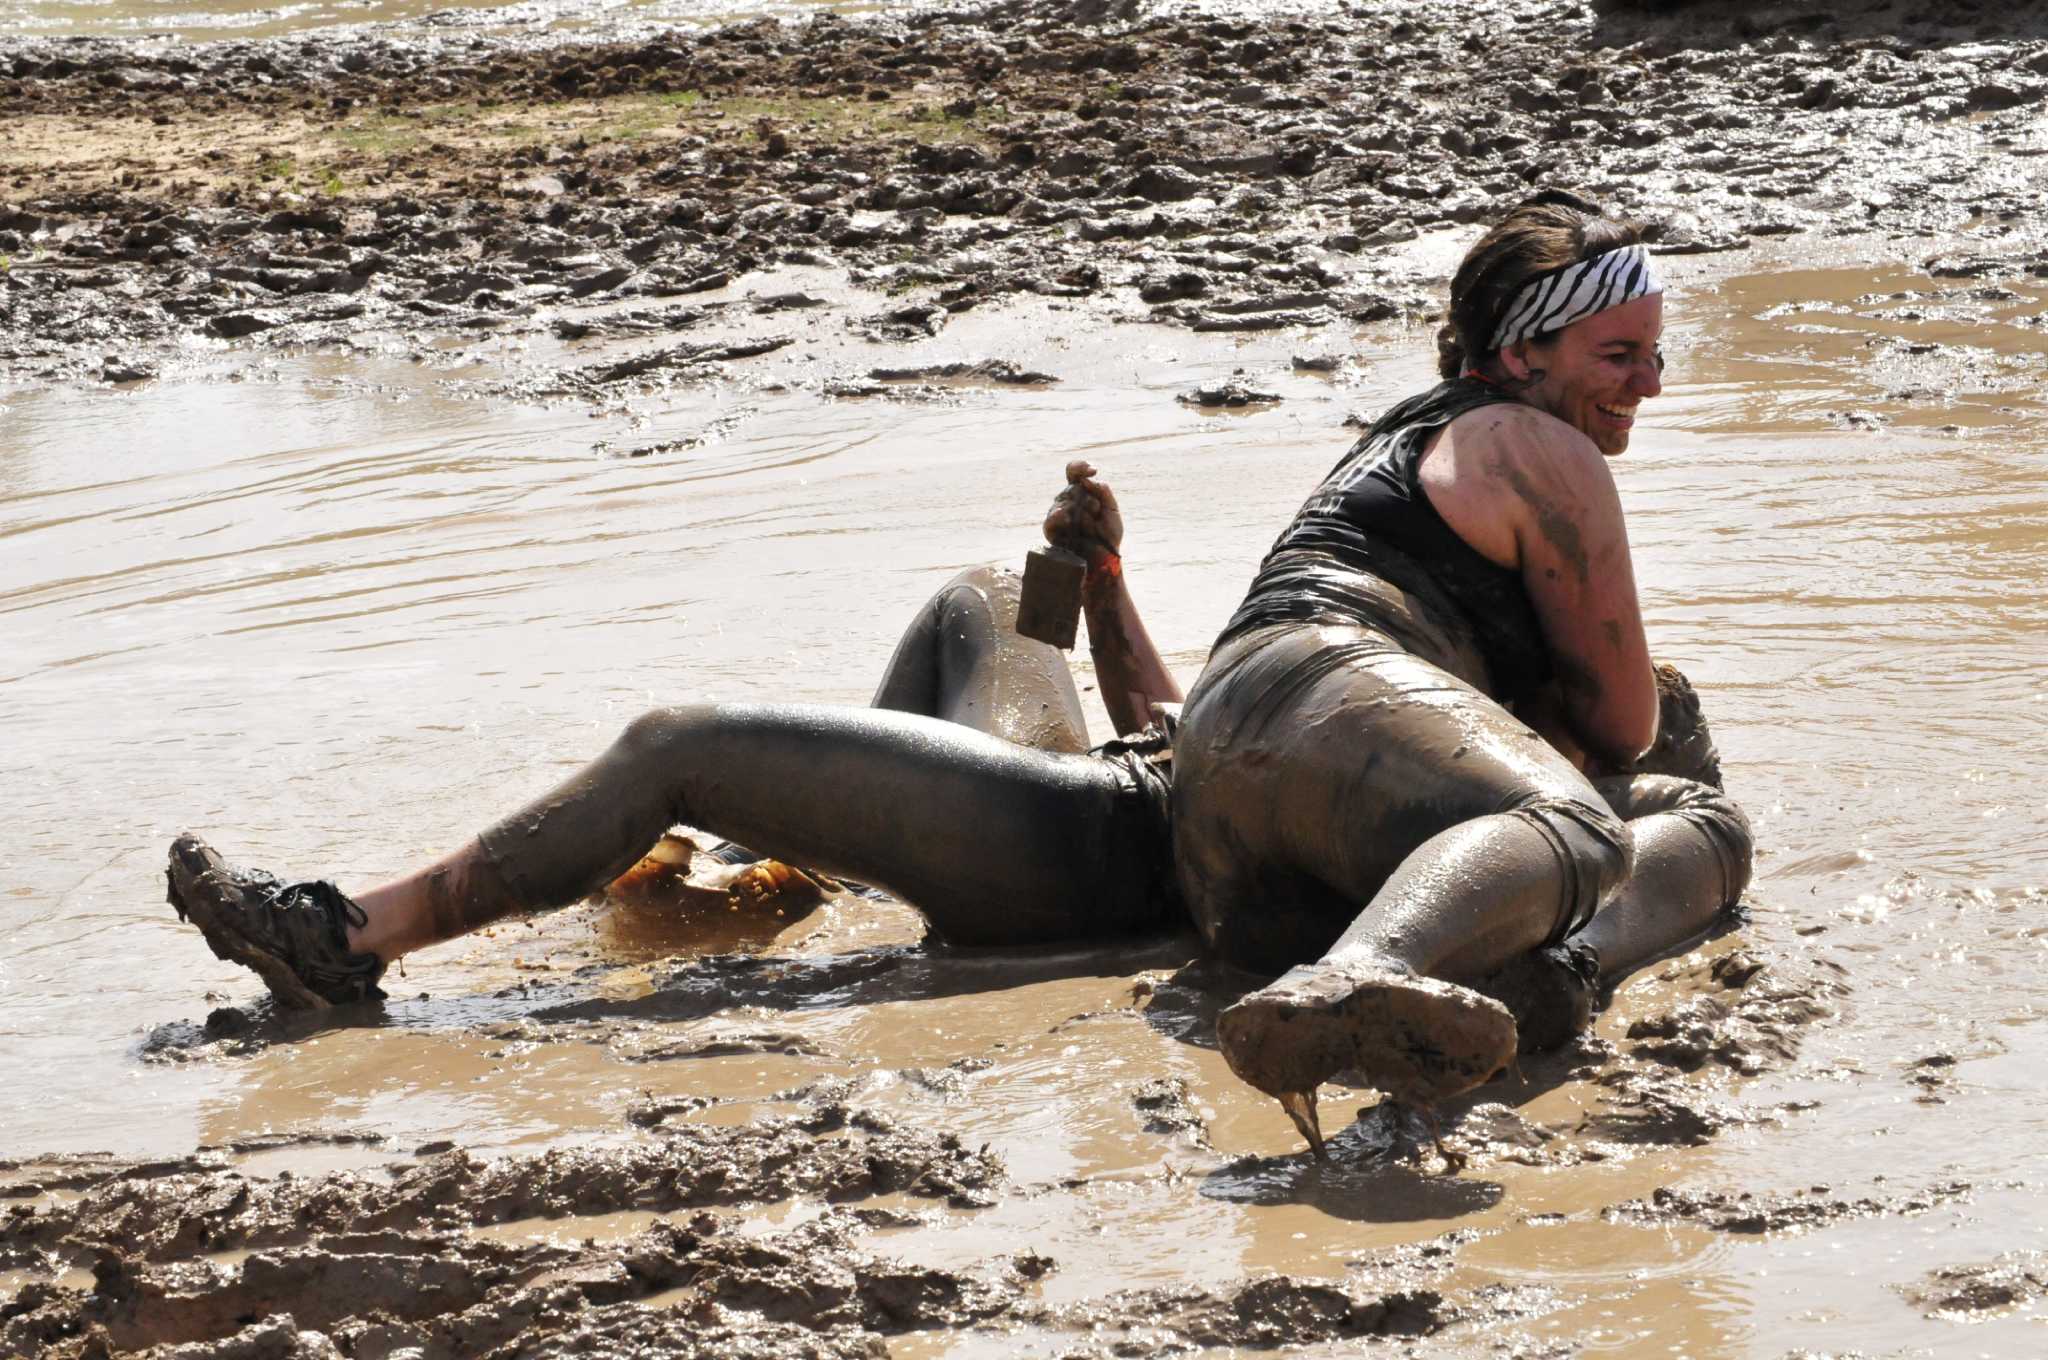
(1363,776)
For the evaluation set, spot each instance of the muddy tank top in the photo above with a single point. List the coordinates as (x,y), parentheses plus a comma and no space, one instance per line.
(1370,526)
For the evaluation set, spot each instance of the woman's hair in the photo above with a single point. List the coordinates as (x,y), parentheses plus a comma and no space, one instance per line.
(1554,229)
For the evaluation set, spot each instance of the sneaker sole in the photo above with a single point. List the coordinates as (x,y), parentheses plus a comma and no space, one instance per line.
(1419,1040)
(196,876)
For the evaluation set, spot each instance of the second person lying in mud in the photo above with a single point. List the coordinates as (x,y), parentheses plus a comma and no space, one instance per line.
(1379,788)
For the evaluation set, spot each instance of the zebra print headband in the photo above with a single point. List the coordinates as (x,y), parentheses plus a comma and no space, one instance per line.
(1551,301)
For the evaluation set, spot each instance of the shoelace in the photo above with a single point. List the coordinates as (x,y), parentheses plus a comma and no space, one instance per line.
(338,906)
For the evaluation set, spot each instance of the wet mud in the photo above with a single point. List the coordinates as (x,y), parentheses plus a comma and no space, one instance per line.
(603,208)
(365,189)
(774,1236)
(1968,1293)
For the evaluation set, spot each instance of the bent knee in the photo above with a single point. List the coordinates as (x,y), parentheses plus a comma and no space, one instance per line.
(659,731)
(1594,849)
(979,598)
(1727,829)
(1716,816)
(988,576)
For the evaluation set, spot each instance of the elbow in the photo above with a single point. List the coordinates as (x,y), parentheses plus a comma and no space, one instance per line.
(1624,738)
(1613,729)
(1623,753)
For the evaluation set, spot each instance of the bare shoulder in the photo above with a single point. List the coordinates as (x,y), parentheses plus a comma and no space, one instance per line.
(1520,432)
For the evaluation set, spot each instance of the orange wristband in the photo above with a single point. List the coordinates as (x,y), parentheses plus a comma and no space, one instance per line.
(1105,565)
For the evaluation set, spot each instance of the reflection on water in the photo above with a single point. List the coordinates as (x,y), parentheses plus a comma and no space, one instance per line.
(338,631)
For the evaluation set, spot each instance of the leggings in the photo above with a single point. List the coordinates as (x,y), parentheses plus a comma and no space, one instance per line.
(965,791)
(1324,775)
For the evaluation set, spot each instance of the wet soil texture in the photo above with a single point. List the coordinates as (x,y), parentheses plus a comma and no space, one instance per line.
(792,1176)
(774,1237)
(1222,174)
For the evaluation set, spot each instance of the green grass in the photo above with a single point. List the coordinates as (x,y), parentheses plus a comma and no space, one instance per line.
(380,134)
(627,118)
(828,117)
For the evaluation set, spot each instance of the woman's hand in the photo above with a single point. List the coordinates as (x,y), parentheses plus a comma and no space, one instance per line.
(1084,517)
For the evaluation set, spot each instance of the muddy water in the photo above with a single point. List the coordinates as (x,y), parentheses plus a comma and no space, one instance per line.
(336,611)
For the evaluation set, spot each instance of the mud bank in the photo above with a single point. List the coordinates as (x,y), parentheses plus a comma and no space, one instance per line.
(1222,174)
(779,1236)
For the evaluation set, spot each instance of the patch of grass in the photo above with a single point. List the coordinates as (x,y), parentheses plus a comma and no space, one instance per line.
(278,167)
(381,134)
(838,117)
(332,185)
(391,134)
(633,117)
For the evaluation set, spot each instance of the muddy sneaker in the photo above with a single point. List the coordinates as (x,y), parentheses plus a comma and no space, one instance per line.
(1418,1039)
(1550,992)
(293,935)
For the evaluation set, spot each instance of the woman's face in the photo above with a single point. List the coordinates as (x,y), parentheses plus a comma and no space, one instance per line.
(1594,373)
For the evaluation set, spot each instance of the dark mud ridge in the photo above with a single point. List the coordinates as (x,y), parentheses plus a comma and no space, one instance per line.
(1212,173)
(445,1255)
(379,1268)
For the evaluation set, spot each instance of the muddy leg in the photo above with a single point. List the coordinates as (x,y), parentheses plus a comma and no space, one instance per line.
(1692,862)
(1329,777)
(1693,857)
(961,659)
(995,844)
(1466,900)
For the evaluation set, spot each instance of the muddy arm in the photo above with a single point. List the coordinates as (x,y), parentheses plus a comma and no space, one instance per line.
(1684,746)
(1085,519)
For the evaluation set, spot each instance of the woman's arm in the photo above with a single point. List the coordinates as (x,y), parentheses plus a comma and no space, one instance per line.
(1531,493)
(1084,519)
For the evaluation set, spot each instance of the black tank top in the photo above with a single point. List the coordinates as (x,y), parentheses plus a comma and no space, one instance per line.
(1370,518)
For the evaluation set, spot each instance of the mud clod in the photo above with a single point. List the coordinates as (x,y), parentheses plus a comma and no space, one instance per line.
(1744,1212)
(236,189)
(1971,1293)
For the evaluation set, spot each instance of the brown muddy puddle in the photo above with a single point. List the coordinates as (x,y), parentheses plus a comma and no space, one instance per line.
(337,610)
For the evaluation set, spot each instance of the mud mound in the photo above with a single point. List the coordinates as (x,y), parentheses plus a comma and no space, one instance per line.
(157,1213)
(1746,1212)
(1214,173)
(1971,1292)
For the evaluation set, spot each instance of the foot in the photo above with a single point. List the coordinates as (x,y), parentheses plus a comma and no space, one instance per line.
(1550,992)
(1419,1040)
(295,936)
(769,884)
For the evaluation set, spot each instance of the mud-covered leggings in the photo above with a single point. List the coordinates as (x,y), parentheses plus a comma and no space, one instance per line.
(1330,787)
(965,790)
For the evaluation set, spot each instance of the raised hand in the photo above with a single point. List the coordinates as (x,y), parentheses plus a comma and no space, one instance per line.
(1084,517)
